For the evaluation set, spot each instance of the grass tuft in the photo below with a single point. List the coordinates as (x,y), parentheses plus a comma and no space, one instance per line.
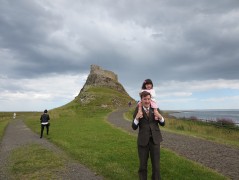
(34,162)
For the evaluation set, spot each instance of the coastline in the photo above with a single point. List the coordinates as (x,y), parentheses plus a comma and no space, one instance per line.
(208,114)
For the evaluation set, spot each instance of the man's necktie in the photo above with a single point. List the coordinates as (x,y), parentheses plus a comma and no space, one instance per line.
(147,111)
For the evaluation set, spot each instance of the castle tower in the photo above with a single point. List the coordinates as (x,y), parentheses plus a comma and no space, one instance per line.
(102,78)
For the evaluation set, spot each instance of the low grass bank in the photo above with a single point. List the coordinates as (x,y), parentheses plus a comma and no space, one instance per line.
(82,131)
(200,129)
(5,117)
(34,162)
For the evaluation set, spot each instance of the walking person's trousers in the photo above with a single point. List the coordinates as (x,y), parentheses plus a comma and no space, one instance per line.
(42,129)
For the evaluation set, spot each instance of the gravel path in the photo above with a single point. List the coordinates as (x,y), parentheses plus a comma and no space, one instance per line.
(222,158)
(18,134)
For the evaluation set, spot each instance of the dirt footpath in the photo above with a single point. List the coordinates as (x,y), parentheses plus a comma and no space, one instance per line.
(222,158)
(18,134)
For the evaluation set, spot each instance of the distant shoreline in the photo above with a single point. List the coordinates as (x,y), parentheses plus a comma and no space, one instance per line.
(210,115)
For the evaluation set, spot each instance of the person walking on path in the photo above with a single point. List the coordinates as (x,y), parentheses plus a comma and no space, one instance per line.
(149,137)
(45,122)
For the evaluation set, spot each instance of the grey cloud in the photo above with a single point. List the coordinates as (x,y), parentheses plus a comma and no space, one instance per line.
(24,26)
(165,41)
(24,22)
(190,40)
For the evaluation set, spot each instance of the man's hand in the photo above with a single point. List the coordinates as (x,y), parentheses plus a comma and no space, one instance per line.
(158,115)
(139,115)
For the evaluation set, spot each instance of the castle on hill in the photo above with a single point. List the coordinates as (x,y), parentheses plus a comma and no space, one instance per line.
(102,78)
(99,77)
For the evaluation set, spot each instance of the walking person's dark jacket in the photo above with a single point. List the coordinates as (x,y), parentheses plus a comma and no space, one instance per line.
(45,118)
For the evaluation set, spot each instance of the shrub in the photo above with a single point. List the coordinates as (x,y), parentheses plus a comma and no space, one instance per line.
(225,122)
(180,127)
(193,118)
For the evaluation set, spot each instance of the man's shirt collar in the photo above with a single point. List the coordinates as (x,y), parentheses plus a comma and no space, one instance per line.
(146,109)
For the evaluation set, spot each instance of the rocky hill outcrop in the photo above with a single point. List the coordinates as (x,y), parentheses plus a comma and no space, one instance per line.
(99,77)
(102,78)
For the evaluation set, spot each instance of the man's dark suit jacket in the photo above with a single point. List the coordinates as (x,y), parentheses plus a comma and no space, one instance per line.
(148,127)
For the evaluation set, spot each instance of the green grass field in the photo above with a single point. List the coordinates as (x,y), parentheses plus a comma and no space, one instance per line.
(83,132)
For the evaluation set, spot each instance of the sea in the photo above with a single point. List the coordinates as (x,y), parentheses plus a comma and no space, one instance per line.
(211,115)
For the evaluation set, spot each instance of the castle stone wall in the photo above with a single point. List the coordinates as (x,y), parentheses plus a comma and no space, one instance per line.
(98,70)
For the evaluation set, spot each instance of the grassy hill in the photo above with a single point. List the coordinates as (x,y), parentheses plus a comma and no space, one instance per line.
(81,129)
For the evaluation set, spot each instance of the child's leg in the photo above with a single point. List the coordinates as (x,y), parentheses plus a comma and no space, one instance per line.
(140,109)
(155,107)
(156,114)
(153,104)
(140,106)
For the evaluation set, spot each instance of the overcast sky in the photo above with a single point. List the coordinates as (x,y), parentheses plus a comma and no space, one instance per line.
(190,49)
